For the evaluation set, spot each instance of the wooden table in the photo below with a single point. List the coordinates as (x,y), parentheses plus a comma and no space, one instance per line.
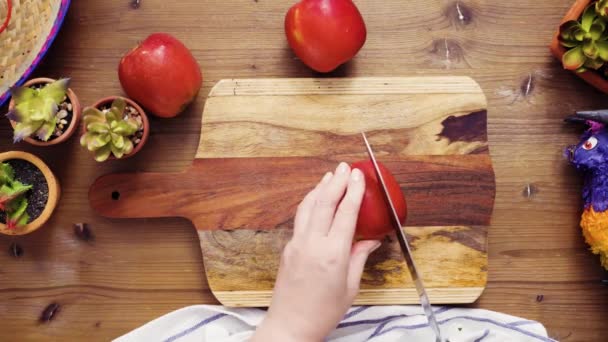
(136,270)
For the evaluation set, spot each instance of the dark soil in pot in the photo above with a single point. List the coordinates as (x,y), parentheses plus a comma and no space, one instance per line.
(28,173)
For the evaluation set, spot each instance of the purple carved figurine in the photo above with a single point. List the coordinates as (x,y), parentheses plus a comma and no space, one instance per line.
(590,157)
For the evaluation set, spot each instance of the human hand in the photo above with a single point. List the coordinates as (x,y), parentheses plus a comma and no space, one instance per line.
(320,269)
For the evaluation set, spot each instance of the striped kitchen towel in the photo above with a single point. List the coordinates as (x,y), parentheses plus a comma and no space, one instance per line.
(207,323)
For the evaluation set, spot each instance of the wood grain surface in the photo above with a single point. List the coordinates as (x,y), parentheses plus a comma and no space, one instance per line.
(431,132)
(262,149)
(263,193)
(128,272)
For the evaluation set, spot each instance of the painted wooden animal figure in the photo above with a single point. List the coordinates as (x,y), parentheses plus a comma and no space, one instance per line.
(590,157)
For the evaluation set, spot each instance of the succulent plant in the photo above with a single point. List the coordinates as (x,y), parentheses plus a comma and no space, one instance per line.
(586,40)
(601,8)
(12,201)
(36,109)
(109,131)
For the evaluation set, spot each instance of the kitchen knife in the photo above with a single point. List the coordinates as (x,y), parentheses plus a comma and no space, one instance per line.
(405,247)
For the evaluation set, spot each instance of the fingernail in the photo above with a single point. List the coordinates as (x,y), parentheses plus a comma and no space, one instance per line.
(342,168)
(356,175)
(376,246)
(326,178)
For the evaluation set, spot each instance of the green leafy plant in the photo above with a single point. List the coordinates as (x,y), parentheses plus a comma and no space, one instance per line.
(586,40)
(12,199)
(36,109)
(601,8)
(109,131)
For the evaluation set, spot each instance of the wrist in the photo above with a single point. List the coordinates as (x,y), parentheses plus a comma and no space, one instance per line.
(271,331)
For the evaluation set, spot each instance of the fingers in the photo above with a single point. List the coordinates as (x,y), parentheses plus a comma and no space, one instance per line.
(327,200)
(306,206)
(345,221)
(359,254)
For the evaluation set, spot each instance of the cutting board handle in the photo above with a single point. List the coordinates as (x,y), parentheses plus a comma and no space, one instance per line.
(136,195)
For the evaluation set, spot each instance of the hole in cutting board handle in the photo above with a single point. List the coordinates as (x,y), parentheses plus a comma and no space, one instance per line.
(115,195)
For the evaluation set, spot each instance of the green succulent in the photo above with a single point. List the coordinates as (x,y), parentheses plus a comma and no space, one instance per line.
(12,199)
(109,131)
(601,8)
(36,109)
(586,40)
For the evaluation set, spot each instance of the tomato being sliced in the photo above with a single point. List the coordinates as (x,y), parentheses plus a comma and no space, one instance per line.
(374,220)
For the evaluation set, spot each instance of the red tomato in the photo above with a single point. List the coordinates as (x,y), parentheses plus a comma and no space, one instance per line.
(161,74)
(325,33)
(374,220)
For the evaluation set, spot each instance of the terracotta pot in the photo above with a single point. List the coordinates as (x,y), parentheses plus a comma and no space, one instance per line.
(76,115)
(558,50)
(54,193)
(144,119)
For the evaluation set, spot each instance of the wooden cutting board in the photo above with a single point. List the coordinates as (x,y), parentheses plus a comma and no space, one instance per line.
(266,142)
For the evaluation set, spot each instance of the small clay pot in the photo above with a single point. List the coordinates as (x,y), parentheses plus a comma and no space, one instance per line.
(53,198)
(591,77)
(71,129)
(144,119)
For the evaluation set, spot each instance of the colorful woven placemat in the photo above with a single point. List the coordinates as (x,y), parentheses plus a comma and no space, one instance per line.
(32,28)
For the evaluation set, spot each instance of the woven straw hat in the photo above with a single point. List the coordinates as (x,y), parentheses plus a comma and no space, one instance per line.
(31,29)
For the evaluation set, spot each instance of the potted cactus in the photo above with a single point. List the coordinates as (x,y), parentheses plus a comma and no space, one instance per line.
(44,111)
(114,128)
(29,193)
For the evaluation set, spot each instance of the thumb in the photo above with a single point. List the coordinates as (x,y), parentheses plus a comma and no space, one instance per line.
(358,256)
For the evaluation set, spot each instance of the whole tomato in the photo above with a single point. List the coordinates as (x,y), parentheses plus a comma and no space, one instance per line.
(325,33)
(374,220)
(161,74)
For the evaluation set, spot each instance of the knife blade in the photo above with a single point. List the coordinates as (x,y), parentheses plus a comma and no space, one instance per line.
(405,247)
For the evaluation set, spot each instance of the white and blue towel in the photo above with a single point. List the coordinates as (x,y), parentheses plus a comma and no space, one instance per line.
(207,323)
